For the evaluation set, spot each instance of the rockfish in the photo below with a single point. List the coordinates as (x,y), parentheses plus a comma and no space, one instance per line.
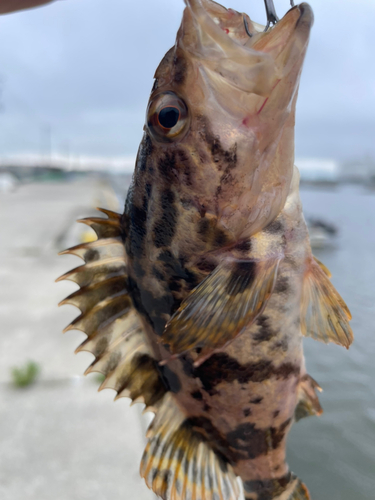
(196,298)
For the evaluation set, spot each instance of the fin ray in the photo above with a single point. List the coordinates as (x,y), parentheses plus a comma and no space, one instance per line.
(325,316)
(174,457)
(222,305)
(114,331)
(308,404)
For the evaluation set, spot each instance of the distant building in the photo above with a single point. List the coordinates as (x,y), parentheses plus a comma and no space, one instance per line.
(358,171)
(26,163)
(317,170)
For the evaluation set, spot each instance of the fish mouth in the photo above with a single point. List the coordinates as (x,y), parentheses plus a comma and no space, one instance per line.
(253,63)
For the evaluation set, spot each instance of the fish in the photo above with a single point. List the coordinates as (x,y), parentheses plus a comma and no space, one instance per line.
(196,299)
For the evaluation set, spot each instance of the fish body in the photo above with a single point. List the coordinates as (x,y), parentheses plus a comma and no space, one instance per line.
(195,300)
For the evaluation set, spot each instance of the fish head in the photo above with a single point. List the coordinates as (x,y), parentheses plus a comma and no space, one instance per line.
(223,108)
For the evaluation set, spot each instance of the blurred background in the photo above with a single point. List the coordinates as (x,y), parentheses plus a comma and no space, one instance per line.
(75,77)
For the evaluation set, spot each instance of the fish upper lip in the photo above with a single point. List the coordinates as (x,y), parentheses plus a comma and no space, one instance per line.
(307,15)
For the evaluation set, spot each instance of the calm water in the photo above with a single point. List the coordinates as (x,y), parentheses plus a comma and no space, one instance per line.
(335,453)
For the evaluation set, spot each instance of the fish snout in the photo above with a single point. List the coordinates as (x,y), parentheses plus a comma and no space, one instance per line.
(307,15)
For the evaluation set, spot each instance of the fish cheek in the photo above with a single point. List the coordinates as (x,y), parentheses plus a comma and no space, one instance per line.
(165,227)
(138,218)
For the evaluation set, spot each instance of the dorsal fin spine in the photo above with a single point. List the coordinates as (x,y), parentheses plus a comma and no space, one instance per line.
(114,332)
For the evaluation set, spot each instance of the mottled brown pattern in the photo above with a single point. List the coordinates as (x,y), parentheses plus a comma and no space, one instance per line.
(203,322)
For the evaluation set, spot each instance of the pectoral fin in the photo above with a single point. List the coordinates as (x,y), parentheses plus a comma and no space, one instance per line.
(222,305)
(325,316)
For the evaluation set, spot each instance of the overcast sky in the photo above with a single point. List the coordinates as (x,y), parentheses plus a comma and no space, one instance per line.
(84,70)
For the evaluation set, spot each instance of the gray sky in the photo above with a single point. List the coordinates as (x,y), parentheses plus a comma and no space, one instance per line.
(85,68)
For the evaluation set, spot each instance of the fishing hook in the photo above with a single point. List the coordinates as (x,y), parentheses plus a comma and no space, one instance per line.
(292,3)
(271,13)
(247,27)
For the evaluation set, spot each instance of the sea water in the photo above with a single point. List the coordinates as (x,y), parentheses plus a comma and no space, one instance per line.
(334,454)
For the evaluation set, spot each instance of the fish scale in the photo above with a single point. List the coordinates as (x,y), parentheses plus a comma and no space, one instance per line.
(196,299)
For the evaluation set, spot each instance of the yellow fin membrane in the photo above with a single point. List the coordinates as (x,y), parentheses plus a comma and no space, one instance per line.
(113,328)
(222,305)
(308,403)
(178,465)
(325,316)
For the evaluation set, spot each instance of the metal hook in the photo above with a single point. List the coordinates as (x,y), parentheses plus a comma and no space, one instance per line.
(271,13)
(292,3)
(247,27)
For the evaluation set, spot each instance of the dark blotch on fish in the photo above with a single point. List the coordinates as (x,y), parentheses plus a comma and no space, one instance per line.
(164,229)
(282,285)
(174,267)
(222,368)
(206,265)
(197,395)
(278,433)
(180,69)
(257,400)
(219,154)
(265,333)
(204,227)
(210,233)
(175,285)
(170,379)
(167,167)
(243,246)
(267,489)
(242,277)
(186,167)
(251,441)
(145,152)
(153,308)
(138,269)
(254,442)
(138,218)
(282,344)
(275,227)
(92,255)
(220,238)
(148,188)
(208,432)
(247,412)
(158,274)
(147,369)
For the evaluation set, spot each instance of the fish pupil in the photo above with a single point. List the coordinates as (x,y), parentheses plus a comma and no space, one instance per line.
(169,116)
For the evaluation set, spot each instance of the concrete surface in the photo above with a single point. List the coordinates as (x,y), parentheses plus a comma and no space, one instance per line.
(59,439)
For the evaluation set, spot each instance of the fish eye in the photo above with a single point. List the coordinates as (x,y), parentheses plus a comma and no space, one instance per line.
(167,117)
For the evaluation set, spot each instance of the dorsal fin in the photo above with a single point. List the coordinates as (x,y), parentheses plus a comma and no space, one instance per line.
(324,316)
(178,464)
(114,331)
